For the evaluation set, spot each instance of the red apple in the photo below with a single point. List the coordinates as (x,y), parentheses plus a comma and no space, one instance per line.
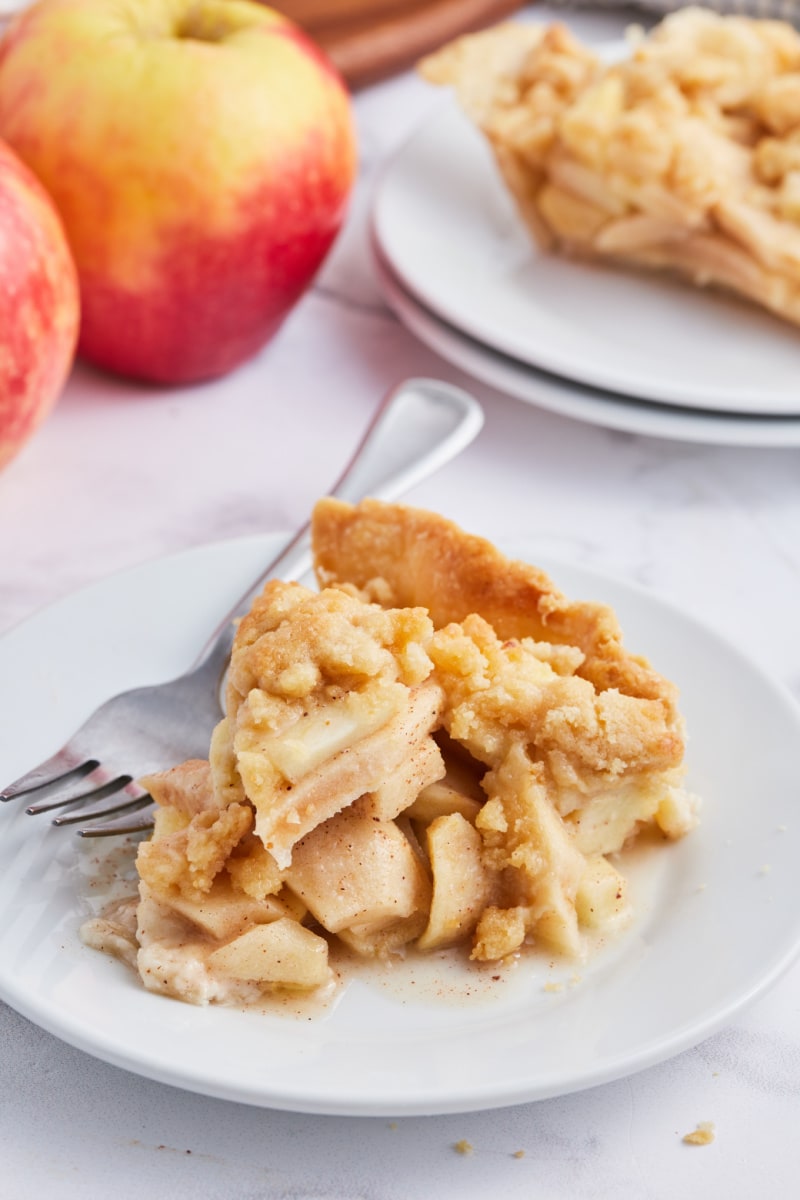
(38,305)
(200,152)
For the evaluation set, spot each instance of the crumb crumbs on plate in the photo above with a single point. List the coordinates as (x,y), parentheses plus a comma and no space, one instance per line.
(703,1135)
(553,986)
(464,1147)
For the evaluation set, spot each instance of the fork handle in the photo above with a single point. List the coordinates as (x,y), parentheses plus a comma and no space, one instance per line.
(418,427)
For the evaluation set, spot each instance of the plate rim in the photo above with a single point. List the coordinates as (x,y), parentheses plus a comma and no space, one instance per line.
(569,398)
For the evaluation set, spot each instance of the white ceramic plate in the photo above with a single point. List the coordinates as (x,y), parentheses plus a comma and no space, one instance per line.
(574,399)
(714,926)
(451,234)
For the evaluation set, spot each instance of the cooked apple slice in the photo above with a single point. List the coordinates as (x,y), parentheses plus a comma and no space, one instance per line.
(440,800)
(461,883)
(394,795)
(676,814)
(282,953)
(355,871)
(601,900)
(525,836)
(333,727)
(224,911)
(382,943)
(286,813)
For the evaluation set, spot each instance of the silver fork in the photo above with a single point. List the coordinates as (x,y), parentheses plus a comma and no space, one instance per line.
(419,426)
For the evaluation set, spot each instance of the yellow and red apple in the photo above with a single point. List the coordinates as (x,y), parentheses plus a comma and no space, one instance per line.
(39,305)
(200,153)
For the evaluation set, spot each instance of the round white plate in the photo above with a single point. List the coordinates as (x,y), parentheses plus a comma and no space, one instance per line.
(574,399)
(717,914)
(450,232)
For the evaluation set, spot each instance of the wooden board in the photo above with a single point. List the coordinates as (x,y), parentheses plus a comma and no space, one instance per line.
(369,40)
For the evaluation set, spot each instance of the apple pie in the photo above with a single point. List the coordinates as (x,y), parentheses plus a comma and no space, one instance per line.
(685,156)
(435,749)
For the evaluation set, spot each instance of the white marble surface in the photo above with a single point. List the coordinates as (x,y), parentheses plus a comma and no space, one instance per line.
(120,474)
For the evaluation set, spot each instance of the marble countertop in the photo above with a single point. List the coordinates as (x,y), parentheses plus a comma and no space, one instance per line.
(120,474)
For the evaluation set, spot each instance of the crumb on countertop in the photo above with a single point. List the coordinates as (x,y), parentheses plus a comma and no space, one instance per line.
(464,1147)
(703,1135)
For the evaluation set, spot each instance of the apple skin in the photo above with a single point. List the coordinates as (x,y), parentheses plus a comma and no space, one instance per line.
(39,305)
(201,154)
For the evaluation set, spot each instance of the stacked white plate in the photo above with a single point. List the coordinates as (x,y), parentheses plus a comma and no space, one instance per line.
(618,348)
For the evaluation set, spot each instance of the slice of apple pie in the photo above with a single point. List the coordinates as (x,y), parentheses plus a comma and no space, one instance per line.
(684,156)
(577,742)
(437,748)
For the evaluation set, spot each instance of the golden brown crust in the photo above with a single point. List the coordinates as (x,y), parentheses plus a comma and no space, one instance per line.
(295,645)
(500,692)
(192,857)
(407,556)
